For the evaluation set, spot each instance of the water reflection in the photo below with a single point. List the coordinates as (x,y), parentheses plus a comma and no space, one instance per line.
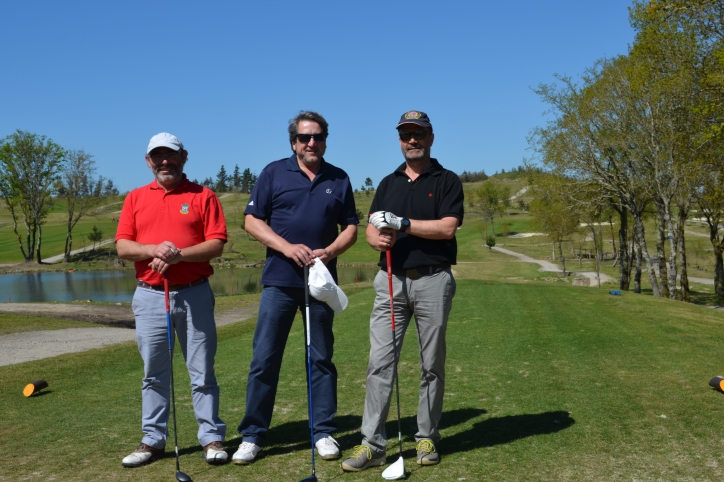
(119,285)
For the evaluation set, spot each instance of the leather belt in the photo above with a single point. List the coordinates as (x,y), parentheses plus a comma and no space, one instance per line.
(418,272)
(171,287)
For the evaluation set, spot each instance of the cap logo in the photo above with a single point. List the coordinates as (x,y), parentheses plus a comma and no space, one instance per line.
(413,114)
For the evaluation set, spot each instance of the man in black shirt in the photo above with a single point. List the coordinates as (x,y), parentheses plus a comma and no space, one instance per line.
(415,213)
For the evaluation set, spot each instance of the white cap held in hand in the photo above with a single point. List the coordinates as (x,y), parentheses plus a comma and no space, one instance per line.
(323,288)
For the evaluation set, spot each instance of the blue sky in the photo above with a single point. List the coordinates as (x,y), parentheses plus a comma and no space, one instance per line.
(226,76)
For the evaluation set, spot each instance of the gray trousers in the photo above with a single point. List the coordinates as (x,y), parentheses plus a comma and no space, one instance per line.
(429,299)
(192,313)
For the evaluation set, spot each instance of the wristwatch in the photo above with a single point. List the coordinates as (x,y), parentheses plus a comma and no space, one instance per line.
(404,224)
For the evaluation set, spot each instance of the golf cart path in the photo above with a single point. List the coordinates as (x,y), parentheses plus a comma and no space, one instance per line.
(36,345)
(55,259)
(552,267)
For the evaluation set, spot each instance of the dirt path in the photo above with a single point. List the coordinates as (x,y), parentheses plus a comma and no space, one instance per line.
(36,345)
(59,257)
(552,267)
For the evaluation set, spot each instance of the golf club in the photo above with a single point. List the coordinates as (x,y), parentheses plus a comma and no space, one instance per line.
(310,405)
(180,476)
(395,471)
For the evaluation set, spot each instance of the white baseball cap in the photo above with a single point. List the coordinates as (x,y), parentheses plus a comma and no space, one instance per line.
(323,288)
(164,139)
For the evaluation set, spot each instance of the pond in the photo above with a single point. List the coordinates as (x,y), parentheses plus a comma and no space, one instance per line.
(119,285)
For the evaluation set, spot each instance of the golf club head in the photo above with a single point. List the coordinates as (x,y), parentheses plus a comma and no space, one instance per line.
(311,478)
(182,477)
(395,471)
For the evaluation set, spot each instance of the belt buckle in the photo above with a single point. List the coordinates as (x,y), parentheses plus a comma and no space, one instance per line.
(412,273)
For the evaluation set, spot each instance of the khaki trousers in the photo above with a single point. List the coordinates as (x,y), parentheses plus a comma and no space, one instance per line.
(428,299)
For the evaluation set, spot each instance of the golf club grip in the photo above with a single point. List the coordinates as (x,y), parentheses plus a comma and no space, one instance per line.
(388,253)
(306,303)
(165,294)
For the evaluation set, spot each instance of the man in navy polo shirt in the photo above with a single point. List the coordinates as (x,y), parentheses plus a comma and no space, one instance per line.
(415,213)
(295,210)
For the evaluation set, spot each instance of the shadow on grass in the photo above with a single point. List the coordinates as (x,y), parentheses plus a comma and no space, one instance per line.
(294,436)
(502,430)
(291,437)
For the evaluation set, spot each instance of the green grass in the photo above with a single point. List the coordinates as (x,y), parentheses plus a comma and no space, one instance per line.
(544,382)
(13,323)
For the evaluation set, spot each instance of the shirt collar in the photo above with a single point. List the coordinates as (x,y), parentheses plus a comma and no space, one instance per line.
(434,169)
(184,182)
(293,165)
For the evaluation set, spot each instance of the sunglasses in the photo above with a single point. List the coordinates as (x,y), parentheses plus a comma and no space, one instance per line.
(304,138)
(165,156)
(406,136)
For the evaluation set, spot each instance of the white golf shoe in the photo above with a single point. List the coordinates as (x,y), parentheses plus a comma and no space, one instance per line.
(328,448)
(215,454)
(246,454)
(142,455)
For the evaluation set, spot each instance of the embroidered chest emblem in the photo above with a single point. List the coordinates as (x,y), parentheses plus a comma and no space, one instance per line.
(329,191)
(184,209)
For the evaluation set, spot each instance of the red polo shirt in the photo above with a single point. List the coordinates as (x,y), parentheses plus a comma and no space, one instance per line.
(186,215)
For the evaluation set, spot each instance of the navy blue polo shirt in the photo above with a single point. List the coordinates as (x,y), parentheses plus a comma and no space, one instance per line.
(435,194)
(302,212)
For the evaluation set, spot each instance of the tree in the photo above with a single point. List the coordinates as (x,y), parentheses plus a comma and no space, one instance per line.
(29,171)
(553,213)
(247,181)
(109,189)
(489,196)
(473,176)
(208,182)
(222,180)
(236,178)
(705,20)
(710,200)
(369,185)
(252,181)
(593,141)
(79,189)
(95,236)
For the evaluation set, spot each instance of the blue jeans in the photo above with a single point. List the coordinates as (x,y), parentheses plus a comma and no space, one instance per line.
(276,313)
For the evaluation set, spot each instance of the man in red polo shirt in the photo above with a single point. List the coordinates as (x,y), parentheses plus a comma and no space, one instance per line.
(171,228)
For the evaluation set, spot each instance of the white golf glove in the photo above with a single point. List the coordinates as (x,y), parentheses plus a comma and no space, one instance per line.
(385,219)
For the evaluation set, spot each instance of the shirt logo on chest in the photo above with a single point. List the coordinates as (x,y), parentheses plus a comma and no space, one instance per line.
(329,191)
(184,209)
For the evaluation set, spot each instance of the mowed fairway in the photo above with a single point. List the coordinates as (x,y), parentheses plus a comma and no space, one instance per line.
(544,382)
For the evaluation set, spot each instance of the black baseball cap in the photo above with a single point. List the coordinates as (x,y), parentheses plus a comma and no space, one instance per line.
(415,117)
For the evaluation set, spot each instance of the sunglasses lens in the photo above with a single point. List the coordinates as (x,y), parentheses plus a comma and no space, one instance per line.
(308,137)
(407,135)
